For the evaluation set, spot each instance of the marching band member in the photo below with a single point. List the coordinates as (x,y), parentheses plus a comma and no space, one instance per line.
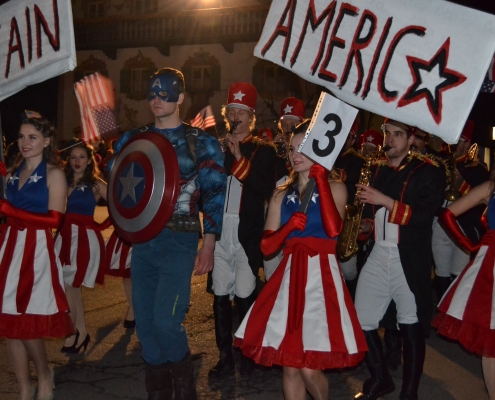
(404,194)
(250,167)
(79,243)
(304,319)
(369,141)
(33,303)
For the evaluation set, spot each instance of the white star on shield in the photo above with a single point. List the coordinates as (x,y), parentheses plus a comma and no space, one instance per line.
(287,109)
(129,182)
(12,179)
(314,196)
(239,95)
(292,197)
(34,178)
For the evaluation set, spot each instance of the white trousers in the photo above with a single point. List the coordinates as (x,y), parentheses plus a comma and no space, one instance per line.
(449,258)
(382,280)
(232,274)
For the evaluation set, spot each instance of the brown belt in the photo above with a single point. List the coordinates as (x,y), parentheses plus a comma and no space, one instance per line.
(184,223)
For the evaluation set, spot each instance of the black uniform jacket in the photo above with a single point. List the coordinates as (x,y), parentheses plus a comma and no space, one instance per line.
(417,185)
(351,163)
(256,172)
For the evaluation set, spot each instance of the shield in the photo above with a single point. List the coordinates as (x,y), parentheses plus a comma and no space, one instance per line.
(143,187)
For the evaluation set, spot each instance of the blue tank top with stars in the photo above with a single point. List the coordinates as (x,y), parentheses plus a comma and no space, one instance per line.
(490,212)
(291,204)
(33,195)
(81,201)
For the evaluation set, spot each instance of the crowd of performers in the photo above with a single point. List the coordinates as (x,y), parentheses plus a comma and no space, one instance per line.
(316,310)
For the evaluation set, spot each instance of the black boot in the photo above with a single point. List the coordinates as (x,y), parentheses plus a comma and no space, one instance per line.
(380,383)
(393,348)
(414,358)
(183,377)
(159,382)
(243,305)
(441,284)
(351,287)
(222,309)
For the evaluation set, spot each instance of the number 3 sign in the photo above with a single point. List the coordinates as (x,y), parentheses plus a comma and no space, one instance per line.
(328,130)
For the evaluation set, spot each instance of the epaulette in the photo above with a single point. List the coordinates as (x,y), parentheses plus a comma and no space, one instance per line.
(354,153)
(428,158)
(260,142)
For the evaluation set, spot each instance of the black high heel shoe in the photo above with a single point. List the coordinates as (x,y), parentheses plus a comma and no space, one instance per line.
(84,344)
(69,349)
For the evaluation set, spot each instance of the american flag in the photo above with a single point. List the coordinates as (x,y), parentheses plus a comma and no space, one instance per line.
(488,85)
(205,118)
(96,103)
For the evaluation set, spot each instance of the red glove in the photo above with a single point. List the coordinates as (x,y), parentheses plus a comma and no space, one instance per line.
(3,169)
(272,241)
(448,220)
(332,221)
(52,219)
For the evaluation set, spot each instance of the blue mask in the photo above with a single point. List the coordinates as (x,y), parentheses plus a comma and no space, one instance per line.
(164,86)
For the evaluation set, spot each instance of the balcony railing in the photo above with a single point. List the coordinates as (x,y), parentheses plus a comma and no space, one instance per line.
(221,25)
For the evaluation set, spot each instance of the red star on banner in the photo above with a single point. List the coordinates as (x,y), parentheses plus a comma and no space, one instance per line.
(421,72)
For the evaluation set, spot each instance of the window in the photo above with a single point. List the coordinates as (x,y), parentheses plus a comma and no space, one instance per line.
(95,9)
(201,78)
(139,80)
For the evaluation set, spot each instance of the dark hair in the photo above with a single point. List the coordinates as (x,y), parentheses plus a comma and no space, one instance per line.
(47,130)
(90,174)
(291,183)
(175,72)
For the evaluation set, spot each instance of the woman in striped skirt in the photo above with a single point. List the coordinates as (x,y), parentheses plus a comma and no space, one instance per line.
(304,318)
(467,309)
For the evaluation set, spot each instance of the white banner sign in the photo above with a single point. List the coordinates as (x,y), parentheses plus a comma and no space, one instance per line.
(36,42)
(421,62)
(328,130)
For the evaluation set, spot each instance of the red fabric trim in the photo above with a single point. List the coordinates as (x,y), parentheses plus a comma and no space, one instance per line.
(7,231)
(100,276)
(26,273)
(31,326)
(473,337)
(113,246)
(401,214)
(318,360)
(464,187)
(82,256)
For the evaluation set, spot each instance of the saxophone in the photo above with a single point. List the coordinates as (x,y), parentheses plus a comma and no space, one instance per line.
(347,242)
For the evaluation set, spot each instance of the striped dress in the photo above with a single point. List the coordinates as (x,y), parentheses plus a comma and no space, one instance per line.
(304,317)
(466,312)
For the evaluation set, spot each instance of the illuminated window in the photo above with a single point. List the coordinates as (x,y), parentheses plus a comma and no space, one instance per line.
(95,9)
(201,78)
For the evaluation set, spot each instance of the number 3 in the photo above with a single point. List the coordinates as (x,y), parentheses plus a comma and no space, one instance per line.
(330,135)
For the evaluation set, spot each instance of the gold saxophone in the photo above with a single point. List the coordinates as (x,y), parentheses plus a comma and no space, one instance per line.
(347,243)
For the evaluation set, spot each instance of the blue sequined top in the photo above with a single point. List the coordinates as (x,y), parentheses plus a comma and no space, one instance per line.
(33,195)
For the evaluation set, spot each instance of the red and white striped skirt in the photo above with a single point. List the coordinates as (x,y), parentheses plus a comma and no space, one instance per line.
(32,297)
(117,257)
(304,317)
(467,310)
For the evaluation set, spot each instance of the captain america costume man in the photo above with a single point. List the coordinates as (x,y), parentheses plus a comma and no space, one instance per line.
(161,268)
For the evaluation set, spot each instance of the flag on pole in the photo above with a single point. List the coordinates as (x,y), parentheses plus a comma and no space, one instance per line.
(96,104)
(488,85)
(205,118)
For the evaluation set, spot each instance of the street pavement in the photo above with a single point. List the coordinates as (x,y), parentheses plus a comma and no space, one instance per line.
(112,368)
